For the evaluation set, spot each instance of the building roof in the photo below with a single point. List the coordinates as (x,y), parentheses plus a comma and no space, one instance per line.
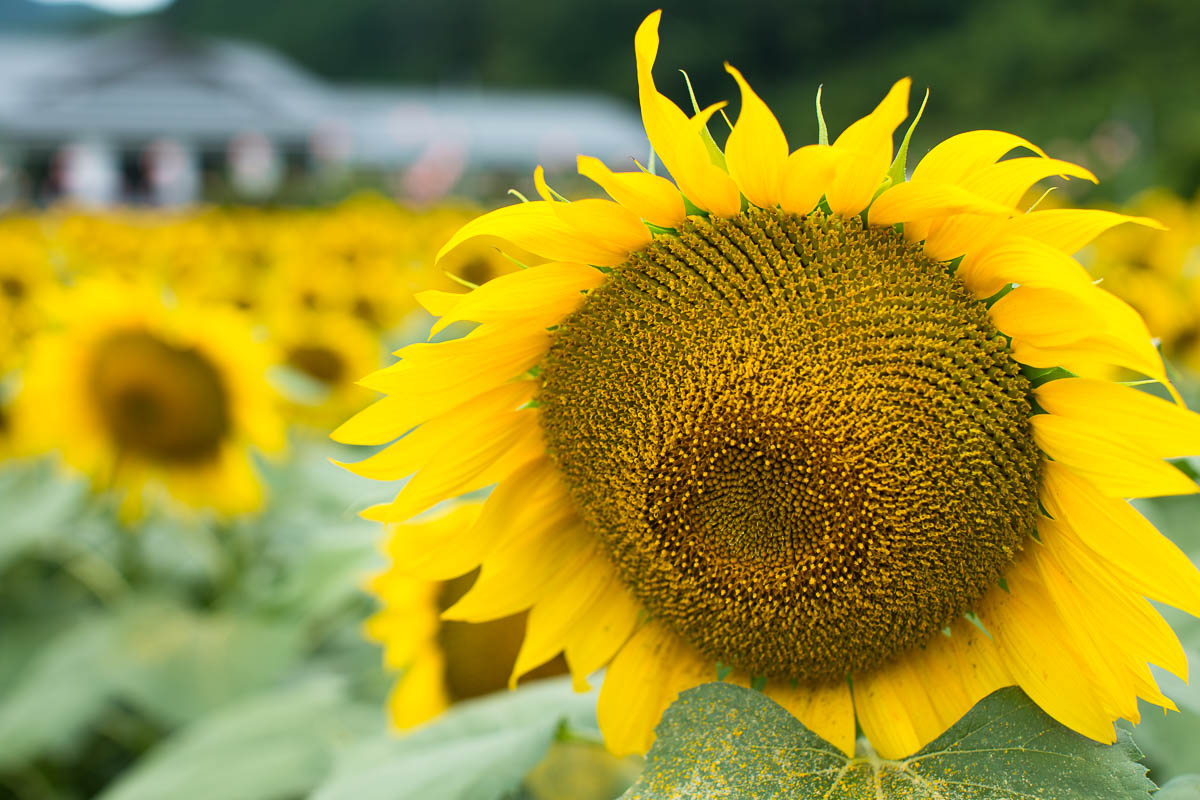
(142,82)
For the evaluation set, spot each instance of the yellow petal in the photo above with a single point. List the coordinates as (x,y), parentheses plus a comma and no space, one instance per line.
(1069,229)
(1110,678)
(539,182)
(1117,617)
(930,687)
(956,158)
(610,621)
(825,709)
(1163,429)
(1043,317)
(519,570)
(894,709)
(542,295)
(1107,459)
(433,381)
(653,198)
(441,548)
(910,201)
(756,149)
(1107,331)
(1021,260)
(1006,182)
(420,693)
(478,464)
(807,174)
(530,494)
(437,302)
(865,153)
(645,677)
(961,155)
(604,220)
(1029,635)
(483,417)
(538,228)
(676,140)
(564,605)
(1130,546)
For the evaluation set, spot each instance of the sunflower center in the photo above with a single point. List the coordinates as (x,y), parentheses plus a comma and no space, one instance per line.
(163,402)
(13,288)
(322,363)
(803,443)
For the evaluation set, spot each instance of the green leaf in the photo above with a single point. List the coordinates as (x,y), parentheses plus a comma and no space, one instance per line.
(61,690)
(179,665)
(479,750)
(38,505)
(720,740)
(277,745)
(1185,787)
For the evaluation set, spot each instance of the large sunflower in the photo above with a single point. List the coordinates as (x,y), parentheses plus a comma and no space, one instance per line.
(798,420)
(143,396)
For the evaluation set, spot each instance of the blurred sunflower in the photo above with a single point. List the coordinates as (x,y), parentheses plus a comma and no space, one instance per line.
(332,351)
(1159,273)
(26,273)
(793,420)
(141,396)
(442,661)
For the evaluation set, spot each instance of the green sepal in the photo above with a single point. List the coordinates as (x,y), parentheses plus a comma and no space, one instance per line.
(715,154)
(690,209)
(822,128)
(1040,375)
(898,171)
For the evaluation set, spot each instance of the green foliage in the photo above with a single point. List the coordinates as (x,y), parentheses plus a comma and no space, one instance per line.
(1185,787)
(1172,739)
(720,740)
(480,750)
(179,664)
(60,691)
(277,745)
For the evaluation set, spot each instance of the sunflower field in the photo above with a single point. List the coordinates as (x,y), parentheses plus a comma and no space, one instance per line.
(772,465)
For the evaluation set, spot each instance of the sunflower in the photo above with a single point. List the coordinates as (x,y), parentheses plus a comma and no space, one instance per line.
(26,273)
(1157,273)
(442,661)
(142,396)
(798,420)
(331,350)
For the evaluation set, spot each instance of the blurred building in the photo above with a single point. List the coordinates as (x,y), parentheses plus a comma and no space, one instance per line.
(144,116)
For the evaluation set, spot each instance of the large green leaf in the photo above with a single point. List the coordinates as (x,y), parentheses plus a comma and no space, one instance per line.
(480,750)
(722,741)
(179,664)
(38,505)
(62,689)
(277,745)
(1185,787)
